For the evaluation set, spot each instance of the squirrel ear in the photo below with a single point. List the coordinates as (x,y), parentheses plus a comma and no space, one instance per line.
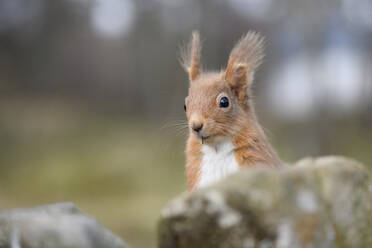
(190,56)
(236,77)
(244,59)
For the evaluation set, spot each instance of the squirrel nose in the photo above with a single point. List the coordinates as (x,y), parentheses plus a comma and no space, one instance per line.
(197,127)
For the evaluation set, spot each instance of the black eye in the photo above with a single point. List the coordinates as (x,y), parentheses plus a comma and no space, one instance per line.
(224,102)
(184,107)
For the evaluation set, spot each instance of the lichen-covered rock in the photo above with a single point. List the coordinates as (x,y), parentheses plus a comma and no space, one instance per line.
(54,226)
(324,202)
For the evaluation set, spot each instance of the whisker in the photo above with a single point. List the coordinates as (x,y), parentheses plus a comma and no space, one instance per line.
(175,124)
(177,127)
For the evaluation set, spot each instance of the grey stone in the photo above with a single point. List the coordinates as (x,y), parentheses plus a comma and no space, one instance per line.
(60,225)
(323,202)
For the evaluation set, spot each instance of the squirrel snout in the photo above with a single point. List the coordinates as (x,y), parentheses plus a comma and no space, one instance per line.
(197,126)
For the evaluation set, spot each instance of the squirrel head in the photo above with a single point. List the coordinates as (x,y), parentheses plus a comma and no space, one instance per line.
(218,102)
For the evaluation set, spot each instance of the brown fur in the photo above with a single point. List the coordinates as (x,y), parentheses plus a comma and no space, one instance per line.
(238,121)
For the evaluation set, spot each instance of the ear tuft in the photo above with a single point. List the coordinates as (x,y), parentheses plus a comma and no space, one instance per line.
(248,51)
(190,56)
(244,59)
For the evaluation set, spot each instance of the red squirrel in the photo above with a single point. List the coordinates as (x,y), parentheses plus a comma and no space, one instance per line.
(224,134)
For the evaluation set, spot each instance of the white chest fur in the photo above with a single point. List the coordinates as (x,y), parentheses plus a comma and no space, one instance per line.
(217,163)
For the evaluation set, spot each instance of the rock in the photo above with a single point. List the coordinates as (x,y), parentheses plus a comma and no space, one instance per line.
(324,202)
(59,225)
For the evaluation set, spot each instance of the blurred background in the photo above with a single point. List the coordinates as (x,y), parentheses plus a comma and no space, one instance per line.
(91,93)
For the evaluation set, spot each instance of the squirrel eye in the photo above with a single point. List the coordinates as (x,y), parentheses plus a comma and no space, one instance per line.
(224,102)
(184,107)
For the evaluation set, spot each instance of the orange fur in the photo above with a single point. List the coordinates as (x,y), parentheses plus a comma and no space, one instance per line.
(238,121)
(193,161)
(252,147)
